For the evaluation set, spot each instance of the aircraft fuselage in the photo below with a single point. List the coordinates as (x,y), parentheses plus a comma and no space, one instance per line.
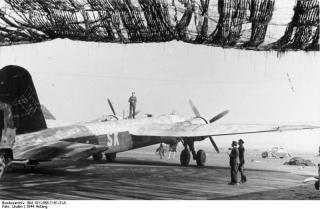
(69,142)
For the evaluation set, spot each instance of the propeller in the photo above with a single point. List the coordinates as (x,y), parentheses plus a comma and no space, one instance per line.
(215,118)
(214,144)
(220,115)
(111,107)
(194,109)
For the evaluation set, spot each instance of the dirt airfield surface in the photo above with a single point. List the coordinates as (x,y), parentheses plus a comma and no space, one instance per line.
(140,174)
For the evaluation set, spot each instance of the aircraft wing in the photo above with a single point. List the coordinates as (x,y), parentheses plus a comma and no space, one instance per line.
(201,130)
(57,150)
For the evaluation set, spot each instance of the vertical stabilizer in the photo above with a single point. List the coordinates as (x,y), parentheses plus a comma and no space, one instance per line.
(17,91)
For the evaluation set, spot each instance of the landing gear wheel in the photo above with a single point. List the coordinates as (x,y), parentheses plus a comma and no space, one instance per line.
(111,157)
(97,156)
(2,165)
(316,185)
(185,157)
(201,158)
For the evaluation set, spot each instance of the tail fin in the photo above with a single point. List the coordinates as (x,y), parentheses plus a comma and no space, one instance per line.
(17,90)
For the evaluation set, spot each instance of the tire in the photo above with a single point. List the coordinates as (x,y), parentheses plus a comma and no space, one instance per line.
(111,157)
(316,185)
(97,156)
(185,157)
(2,165)
(201,158)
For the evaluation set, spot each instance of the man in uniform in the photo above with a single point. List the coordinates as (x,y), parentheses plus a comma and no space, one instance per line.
(132,102)
(173,149)
(234,163)
(241,159)
(160,150)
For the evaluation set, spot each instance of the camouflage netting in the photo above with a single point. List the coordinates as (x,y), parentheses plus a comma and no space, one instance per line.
(303,31)
(232,15)
(248,24)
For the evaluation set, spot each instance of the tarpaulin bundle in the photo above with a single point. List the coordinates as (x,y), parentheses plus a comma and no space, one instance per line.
(243,24)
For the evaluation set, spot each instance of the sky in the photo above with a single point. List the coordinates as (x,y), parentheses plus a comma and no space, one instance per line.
(74,79)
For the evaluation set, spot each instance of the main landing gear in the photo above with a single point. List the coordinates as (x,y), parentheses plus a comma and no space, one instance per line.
(110,157)
(199,157)
(6,156)
(185,157)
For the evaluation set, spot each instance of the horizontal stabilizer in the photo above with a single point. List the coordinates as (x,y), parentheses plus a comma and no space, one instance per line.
(46,113)
(310,179)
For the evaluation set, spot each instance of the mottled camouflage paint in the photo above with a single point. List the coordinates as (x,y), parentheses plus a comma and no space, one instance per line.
(8,131)
(82,140)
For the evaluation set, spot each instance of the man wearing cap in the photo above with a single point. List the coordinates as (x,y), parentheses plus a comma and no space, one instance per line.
(132,102)
(234,163)
(241,159)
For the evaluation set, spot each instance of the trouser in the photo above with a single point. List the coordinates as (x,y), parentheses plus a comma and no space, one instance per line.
(132,111)
(241,170)
(234,173)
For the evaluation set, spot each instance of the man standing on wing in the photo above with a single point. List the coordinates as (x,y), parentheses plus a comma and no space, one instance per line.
(132,102)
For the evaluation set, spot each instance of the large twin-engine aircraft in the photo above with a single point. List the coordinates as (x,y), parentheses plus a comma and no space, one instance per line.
(26,138)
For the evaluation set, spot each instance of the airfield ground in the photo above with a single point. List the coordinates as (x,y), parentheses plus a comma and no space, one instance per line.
(140,174)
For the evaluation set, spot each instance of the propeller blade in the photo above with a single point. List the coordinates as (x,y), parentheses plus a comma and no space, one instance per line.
(217,117)
(111,107)
(214,144)
(194,109)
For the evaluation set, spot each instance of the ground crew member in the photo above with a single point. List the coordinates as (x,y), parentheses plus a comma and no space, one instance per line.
(132,102)
(160,150)
(234,163)
(173,149)
(241,159)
